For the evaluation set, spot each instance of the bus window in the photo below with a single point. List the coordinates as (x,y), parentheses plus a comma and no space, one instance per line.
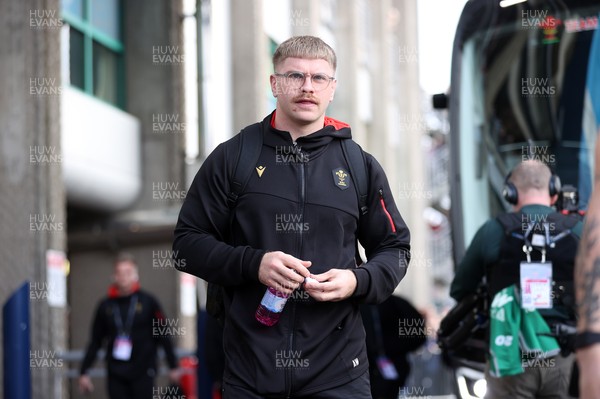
(525,85)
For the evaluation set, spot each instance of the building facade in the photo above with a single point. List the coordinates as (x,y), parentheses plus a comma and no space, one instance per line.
(94,150)
(93,164)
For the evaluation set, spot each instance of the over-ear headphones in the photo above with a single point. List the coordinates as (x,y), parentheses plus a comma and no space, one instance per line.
(511,194)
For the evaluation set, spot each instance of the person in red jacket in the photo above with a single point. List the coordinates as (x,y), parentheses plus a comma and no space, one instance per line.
(125,321)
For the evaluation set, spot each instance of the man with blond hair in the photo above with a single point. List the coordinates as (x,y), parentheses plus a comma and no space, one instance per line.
(529,250)
(298,216)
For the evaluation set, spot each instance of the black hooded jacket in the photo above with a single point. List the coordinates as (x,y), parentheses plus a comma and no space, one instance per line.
(302,203)
(148,332)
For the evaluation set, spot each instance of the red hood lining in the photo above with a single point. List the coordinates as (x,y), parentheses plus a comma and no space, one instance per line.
(113,291)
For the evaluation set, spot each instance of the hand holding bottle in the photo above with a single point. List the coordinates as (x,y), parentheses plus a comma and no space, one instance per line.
(282,274)
(282,271)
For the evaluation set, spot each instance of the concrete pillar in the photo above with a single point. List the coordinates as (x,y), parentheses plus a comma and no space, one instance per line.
(412,192)
(380,76)
(32,204)
(250,63)
(348,93)
(151,28)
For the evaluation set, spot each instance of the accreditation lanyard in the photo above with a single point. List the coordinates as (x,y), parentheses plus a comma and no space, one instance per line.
(125,330)
(123,345)
(536,277)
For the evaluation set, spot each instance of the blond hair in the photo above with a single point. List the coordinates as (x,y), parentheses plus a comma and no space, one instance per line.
(123,257)
(531,174)
(310,47)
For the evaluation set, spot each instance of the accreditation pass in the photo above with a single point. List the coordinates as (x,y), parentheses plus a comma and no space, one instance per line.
(536,285)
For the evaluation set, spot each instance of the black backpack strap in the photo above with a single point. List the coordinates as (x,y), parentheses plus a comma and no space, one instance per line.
(513,222)
(250,146)
(358,171)
(251,141)
(564,221)
(509,221)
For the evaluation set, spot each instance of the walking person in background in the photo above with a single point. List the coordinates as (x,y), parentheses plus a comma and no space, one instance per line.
(124,322)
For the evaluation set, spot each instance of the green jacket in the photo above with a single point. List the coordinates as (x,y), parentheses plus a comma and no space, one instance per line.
(518,337)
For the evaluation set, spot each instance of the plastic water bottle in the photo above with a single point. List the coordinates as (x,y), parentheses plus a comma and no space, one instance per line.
(271,306)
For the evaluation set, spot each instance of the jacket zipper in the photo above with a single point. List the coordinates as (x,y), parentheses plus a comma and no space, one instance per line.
(300,241)
(387,214)
(302,198)
(291,346)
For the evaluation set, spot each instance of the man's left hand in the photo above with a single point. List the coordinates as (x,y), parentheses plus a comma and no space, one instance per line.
(333,285)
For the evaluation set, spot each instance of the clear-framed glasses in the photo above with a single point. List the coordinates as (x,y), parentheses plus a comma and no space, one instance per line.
(320,81)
